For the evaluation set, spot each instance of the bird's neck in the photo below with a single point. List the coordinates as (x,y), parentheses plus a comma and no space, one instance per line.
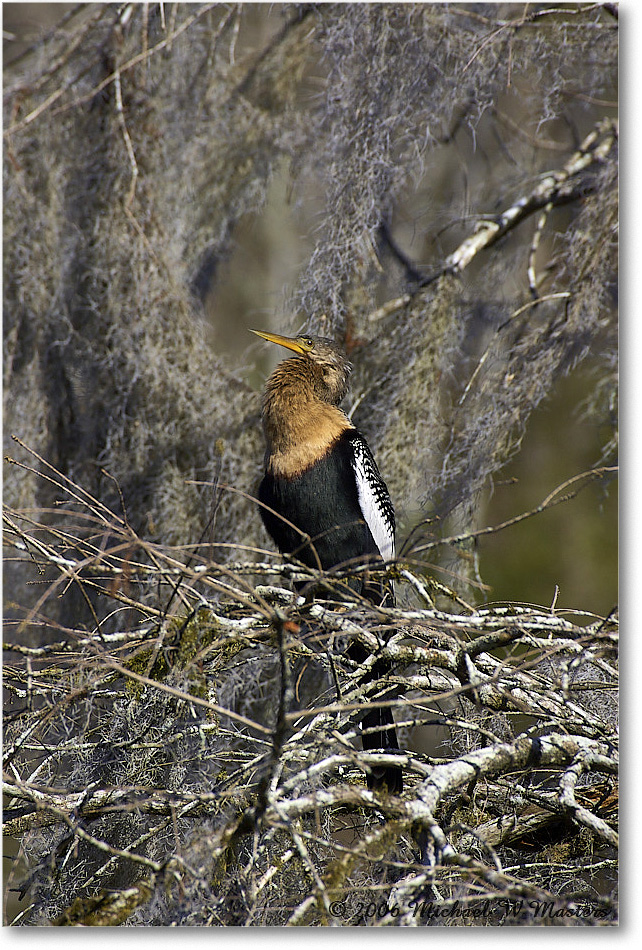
(299,426)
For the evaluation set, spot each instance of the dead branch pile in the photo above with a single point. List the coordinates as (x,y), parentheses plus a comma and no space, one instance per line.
(200,764)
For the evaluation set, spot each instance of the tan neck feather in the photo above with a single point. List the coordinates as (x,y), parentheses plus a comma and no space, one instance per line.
(299,427)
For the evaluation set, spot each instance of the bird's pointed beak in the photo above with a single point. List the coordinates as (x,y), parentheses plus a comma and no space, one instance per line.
(288,342)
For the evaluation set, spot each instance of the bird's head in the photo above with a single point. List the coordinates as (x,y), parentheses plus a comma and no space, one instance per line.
(326,365)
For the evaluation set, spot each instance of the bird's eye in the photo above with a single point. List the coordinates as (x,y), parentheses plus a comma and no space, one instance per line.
(307,342)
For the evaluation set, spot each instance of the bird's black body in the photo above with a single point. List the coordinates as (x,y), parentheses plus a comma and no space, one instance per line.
(322,498)
(337,531)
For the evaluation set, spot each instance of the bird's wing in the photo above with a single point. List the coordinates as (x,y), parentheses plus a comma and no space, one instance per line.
(374,499)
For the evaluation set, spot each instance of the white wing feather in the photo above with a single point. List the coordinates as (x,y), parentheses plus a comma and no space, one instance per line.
(374,499)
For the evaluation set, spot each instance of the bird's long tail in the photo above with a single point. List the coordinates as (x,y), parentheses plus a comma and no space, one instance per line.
(375,734)
(385,739)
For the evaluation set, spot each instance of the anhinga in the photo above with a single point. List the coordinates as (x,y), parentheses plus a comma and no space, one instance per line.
(323,499)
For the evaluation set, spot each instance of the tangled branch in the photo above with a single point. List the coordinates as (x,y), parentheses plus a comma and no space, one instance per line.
(160,747)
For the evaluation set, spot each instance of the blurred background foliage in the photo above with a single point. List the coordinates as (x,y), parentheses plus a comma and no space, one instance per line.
(573,547)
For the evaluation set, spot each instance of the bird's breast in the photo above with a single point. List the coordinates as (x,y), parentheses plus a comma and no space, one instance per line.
(304,442)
